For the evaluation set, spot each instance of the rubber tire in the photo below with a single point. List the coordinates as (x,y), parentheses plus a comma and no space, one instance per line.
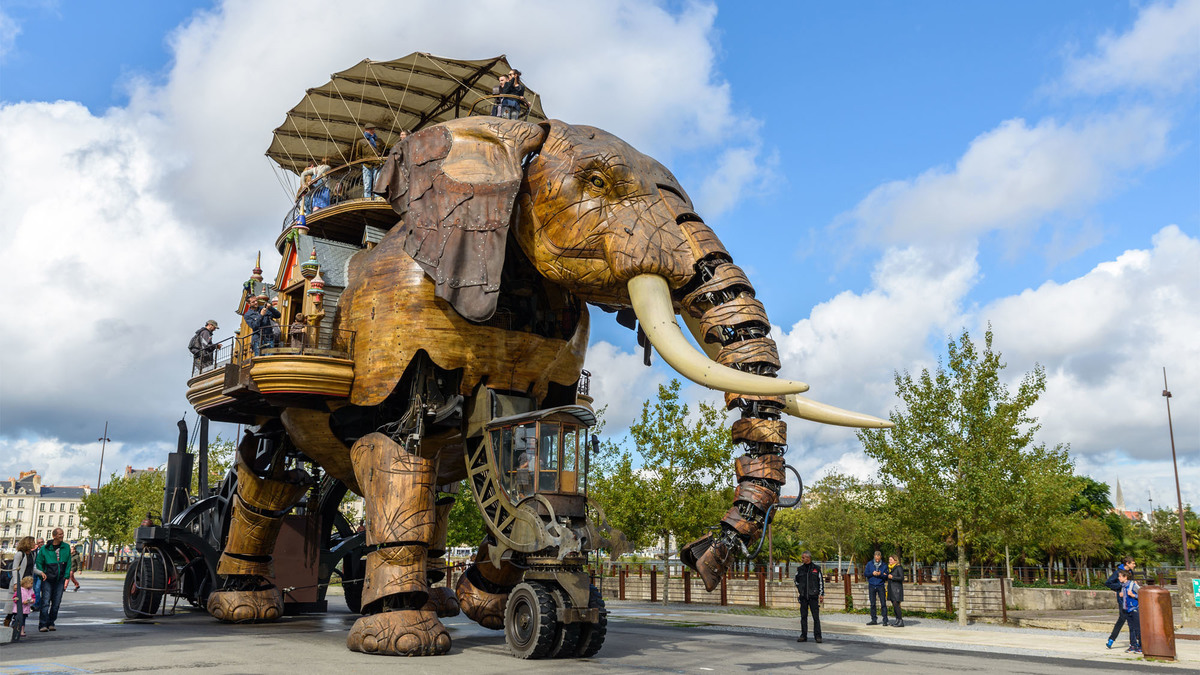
(591,635)
(530,621)
(151,573)
(566,639)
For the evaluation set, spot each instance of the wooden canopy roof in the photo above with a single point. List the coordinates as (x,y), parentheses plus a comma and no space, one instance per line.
(406,94)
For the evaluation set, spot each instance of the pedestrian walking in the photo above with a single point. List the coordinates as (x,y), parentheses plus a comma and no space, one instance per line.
(876,572)
(23,566)
(1114,583)
(810,592)
(22,605)
(1129,601)
(895,588)
(76,566)
(54,560)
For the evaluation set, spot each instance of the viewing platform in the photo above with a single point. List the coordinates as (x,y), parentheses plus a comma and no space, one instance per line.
(305,369)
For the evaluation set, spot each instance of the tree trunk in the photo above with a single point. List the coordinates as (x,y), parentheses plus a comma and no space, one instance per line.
(666,587)
(1007,563)
(962,575)
(839,561)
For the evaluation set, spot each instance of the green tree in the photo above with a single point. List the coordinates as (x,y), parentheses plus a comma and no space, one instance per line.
(959,437)
(466,523)
(113,513)
(673,485)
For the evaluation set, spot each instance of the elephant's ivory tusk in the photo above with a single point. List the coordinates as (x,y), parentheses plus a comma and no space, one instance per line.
(807,409)
(798,406)
(651,300)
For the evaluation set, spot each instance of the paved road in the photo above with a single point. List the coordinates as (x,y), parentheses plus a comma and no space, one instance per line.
(93,637)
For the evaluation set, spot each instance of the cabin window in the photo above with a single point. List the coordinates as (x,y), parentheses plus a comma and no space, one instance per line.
(538,457)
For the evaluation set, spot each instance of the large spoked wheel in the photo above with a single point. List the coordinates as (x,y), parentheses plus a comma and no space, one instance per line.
(353,571)
(530,621)
(591,635)
(145,585)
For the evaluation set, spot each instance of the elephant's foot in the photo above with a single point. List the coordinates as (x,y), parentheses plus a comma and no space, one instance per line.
(246,606)
(406,632)
(482,607)
(442,602)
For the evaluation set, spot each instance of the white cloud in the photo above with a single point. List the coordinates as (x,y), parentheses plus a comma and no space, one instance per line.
(739,170)
(621,382)
(1013,177)
(1104,339)
(1160,52)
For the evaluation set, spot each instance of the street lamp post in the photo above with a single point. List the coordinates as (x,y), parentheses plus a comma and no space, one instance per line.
(1187,564)
(104,439)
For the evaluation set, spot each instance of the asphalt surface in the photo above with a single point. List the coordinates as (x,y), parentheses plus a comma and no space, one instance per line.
(94,637)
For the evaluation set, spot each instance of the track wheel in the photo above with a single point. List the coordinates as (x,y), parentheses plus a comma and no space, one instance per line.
(145,585)
(530,621)
(591,635)
(354,568)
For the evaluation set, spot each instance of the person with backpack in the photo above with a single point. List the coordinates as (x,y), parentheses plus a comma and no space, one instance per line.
(1129,602)
(201,345)
(54,561)
(23,566)
(1114,583)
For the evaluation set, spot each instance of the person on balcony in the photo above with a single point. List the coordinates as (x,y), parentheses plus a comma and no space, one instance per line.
(497,108)
(297,332)
(516,93)
(320,186)
(370,150)
(201,345)
(258,316)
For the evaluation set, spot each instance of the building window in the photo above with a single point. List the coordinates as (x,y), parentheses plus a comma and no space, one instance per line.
(60,520)
(20,503)
(20,514)
(18,529)
(42,506)
(51,507)
(9,503)
(72,507)
(70,520)
(41,520)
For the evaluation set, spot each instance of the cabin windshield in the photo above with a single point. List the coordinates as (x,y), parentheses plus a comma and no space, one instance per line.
(538,457)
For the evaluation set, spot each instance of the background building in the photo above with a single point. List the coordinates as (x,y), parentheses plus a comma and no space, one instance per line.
(30,508)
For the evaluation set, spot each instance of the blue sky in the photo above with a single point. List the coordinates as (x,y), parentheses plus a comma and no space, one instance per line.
(888,174)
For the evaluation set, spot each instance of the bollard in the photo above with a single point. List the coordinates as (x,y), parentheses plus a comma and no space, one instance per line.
(621,580)
(1157,622)
(724,593)
(846,584)
(653,585)
(762,589)
(687,587)
(948,590)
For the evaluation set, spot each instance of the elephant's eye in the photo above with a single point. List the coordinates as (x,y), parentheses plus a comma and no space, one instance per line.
(598,182)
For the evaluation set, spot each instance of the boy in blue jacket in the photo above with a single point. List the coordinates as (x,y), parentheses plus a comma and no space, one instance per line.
(1129,601)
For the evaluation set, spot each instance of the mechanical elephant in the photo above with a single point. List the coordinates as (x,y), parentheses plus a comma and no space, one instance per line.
(476,305)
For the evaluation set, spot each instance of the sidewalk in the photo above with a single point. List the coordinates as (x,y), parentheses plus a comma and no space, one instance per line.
(928,633)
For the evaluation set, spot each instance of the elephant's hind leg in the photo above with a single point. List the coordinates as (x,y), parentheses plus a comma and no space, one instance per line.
(399,488)
(442,599)
(258,509)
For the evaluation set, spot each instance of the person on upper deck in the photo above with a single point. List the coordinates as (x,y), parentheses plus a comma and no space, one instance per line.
(516,90)
(497,108)
(201,345)
(370,149)
(320,186)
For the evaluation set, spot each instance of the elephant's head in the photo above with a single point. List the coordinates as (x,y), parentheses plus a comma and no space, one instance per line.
(615,228)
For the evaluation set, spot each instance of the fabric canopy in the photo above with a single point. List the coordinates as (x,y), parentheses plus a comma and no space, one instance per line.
(406,94)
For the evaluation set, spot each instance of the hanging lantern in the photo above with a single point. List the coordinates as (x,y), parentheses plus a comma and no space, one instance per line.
(308,268)
(317,289)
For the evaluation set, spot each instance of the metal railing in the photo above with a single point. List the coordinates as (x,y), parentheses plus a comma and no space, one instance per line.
(336,186)
(281,341)
(585,383)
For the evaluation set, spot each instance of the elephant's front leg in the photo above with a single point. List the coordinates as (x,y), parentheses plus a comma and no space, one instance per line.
(399,488)
(258,509)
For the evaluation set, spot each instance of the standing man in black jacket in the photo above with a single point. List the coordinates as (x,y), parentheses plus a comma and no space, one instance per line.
(810,592)
(1115,584)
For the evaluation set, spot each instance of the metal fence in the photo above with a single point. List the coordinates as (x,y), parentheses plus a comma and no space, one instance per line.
(281,340)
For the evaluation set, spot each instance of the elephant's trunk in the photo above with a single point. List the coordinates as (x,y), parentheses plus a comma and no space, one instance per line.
(722,311)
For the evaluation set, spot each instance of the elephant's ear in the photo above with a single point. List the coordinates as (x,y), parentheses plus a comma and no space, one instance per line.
(455,185)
